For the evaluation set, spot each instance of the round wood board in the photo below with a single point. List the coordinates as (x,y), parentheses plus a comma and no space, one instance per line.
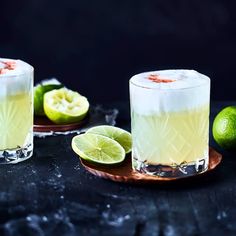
(125,173)
(43,124)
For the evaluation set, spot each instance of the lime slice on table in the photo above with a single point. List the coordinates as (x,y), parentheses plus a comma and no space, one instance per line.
(121,136)
(98,149)
(64,106)
(39,91)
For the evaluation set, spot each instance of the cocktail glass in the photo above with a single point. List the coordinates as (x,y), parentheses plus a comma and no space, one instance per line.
(16,111)
(170,122)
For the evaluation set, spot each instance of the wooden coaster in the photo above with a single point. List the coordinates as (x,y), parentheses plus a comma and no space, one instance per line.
(43,124)
(125,173)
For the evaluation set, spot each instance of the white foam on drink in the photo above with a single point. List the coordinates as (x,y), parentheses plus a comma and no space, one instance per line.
(20,68)
(187,90)
(15,81)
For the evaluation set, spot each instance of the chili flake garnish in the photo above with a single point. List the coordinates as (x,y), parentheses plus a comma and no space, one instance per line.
(8,65)
(159,79)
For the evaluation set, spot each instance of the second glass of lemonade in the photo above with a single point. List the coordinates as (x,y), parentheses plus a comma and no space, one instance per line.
(16,111)
(170,122)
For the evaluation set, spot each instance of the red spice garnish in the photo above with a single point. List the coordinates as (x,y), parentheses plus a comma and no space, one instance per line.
(11,65)
(8,65)
(159,79)
(3,71)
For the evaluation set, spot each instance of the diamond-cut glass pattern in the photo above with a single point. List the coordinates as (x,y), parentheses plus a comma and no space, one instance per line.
(171,138)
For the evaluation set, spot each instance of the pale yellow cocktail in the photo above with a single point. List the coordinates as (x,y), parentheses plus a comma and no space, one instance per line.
(16,111)
(16,115)
(170,122)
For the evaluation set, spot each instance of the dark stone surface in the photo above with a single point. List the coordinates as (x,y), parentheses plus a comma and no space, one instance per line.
(51,194)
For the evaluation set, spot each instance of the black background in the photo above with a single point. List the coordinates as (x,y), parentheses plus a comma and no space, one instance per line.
(95,46)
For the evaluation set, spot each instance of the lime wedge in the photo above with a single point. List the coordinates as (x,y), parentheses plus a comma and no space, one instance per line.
(98,149)
(40,90)
(121,136)
(64,106)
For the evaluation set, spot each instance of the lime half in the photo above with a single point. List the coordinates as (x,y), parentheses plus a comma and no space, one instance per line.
(121,136)
(40,90)
(64,106)
(98,149)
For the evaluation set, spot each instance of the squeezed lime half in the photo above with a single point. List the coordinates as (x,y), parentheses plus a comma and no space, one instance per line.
(40,90)
(64,106)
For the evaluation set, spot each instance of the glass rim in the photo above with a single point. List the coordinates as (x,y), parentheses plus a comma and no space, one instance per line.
(20,74)
(203,77)
(30,69)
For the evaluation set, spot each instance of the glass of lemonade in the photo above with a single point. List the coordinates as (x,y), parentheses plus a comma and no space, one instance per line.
(16,111)
(170,122)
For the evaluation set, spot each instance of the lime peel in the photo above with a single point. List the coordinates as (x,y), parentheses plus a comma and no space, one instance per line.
(39,91)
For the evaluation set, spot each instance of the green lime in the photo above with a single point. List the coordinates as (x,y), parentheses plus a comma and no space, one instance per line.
(40,90)
(64,106)
(98,149)
(224,128)
(121,136)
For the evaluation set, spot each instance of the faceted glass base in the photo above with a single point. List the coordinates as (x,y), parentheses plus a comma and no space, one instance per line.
(13,156)
(175,171)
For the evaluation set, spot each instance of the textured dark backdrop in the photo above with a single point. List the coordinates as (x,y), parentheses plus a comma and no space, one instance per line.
(95,46)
